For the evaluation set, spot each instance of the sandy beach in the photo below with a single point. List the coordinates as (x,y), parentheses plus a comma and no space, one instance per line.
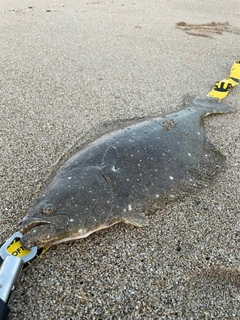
(68,70)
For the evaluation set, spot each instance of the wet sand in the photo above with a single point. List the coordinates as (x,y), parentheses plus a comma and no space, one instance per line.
(67,68)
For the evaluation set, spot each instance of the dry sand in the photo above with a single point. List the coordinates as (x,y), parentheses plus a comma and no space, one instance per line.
(67,67)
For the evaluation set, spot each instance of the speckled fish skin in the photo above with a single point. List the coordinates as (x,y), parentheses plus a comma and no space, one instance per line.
(122,173)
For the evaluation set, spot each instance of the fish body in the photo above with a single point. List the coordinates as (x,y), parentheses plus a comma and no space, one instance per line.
(116,177)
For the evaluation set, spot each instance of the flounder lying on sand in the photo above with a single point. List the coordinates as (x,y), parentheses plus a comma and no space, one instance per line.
(120,174)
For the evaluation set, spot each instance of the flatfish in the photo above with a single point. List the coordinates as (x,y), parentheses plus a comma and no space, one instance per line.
(121,174)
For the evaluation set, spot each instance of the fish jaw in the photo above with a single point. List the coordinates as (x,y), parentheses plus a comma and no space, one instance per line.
(85,233)
(41,235)
(41,232)
(47,234)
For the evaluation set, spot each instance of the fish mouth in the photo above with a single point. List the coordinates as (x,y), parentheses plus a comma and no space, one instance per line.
(31,225)
(40,232)
(28,223)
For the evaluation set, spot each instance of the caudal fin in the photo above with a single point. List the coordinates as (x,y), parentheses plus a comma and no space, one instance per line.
(212,105)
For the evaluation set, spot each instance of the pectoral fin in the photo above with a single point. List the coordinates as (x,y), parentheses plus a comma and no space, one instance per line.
(110,156)
(136,219)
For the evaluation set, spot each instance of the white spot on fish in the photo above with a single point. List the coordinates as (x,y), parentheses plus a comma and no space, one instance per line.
(129,207)
(157,195)
(71,220)
(69,178)
(189,154)
(198,133)
(170,177)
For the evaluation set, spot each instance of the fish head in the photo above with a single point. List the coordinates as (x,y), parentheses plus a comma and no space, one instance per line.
(45,222)
(68,209)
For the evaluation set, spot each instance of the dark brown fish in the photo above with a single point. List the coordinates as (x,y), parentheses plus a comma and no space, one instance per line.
(115,177)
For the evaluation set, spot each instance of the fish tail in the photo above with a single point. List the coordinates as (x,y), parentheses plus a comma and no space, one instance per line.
(212,105)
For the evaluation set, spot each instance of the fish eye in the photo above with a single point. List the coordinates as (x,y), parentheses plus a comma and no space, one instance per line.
(48,209)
